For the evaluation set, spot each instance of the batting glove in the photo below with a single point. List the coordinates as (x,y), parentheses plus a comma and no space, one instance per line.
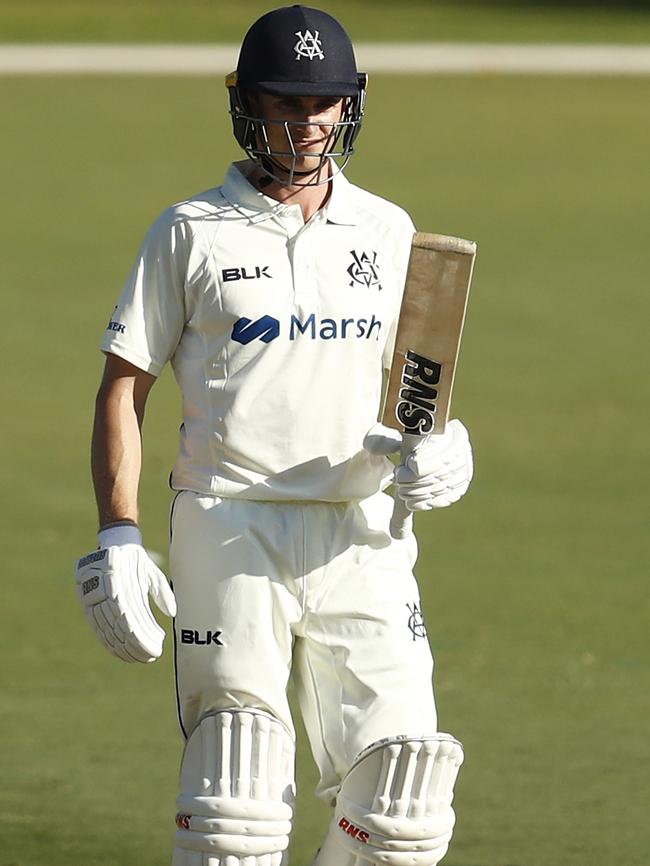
(114,584)
(436,473)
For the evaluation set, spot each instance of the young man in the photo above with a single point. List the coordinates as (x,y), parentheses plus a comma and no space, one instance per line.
(275,298)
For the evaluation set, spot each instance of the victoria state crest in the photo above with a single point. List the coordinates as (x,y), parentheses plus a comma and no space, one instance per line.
(308,45)
(364,269)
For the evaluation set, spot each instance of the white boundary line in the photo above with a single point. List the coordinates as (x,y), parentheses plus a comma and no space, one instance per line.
(396,58)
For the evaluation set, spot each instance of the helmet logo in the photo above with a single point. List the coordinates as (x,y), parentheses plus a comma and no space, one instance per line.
(308,45)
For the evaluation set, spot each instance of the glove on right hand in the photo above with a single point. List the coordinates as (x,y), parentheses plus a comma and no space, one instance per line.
(435,473)
(438,471)
(113,585)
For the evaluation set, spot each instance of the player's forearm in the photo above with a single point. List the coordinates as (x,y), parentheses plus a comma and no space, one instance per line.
(116,454)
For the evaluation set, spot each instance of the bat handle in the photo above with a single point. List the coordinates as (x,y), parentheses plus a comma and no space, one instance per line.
(401,523)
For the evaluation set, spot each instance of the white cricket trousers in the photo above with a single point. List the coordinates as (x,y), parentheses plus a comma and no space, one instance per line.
(262,586)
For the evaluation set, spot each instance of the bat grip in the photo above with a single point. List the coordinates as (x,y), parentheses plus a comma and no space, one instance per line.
(401,522)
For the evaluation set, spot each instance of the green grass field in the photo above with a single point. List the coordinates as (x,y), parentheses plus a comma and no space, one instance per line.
(626,21)
(535,586)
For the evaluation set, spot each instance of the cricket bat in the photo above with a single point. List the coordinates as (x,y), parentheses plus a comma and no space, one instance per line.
(427,343)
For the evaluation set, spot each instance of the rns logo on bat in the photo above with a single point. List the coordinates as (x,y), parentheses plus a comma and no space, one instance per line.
(416,406)
(268,328)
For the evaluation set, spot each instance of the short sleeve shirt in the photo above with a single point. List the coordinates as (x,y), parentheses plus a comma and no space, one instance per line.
(277,331)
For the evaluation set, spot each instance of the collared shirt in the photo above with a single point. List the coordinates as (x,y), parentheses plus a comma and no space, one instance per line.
(277,331)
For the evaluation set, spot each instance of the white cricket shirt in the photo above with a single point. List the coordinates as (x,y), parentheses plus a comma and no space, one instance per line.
(277,332)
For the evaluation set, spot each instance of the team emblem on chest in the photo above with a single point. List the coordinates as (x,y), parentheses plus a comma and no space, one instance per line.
(364,269)
(308,45)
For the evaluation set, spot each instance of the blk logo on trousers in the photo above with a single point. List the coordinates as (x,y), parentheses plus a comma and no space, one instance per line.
(206,638)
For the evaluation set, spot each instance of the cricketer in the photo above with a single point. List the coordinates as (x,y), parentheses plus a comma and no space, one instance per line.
(275,298)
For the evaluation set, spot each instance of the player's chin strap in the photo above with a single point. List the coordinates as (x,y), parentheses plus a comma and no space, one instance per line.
(290,177)
(394,806)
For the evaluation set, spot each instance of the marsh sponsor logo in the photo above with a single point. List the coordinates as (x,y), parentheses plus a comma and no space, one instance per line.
(309,327)
(245,330)
(332,329)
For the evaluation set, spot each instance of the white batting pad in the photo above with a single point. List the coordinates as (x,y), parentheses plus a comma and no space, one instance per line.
(237,792)
(394,805)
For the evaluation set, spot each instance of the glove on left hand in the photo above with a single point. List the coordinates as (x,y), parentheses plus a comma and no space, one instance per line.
(436,473)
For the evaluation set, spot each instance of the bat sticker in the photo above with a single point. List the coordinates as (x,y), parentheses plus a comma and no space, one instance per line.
(416,406)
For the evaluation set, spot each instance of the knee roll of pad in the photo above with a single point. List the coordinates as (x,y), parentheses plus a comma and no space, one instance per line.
(394,806)
(237,792)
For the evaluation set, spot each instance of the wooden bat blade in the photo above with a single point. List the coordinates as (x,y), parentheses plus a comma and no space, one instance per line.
(429,330)
(427,343)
